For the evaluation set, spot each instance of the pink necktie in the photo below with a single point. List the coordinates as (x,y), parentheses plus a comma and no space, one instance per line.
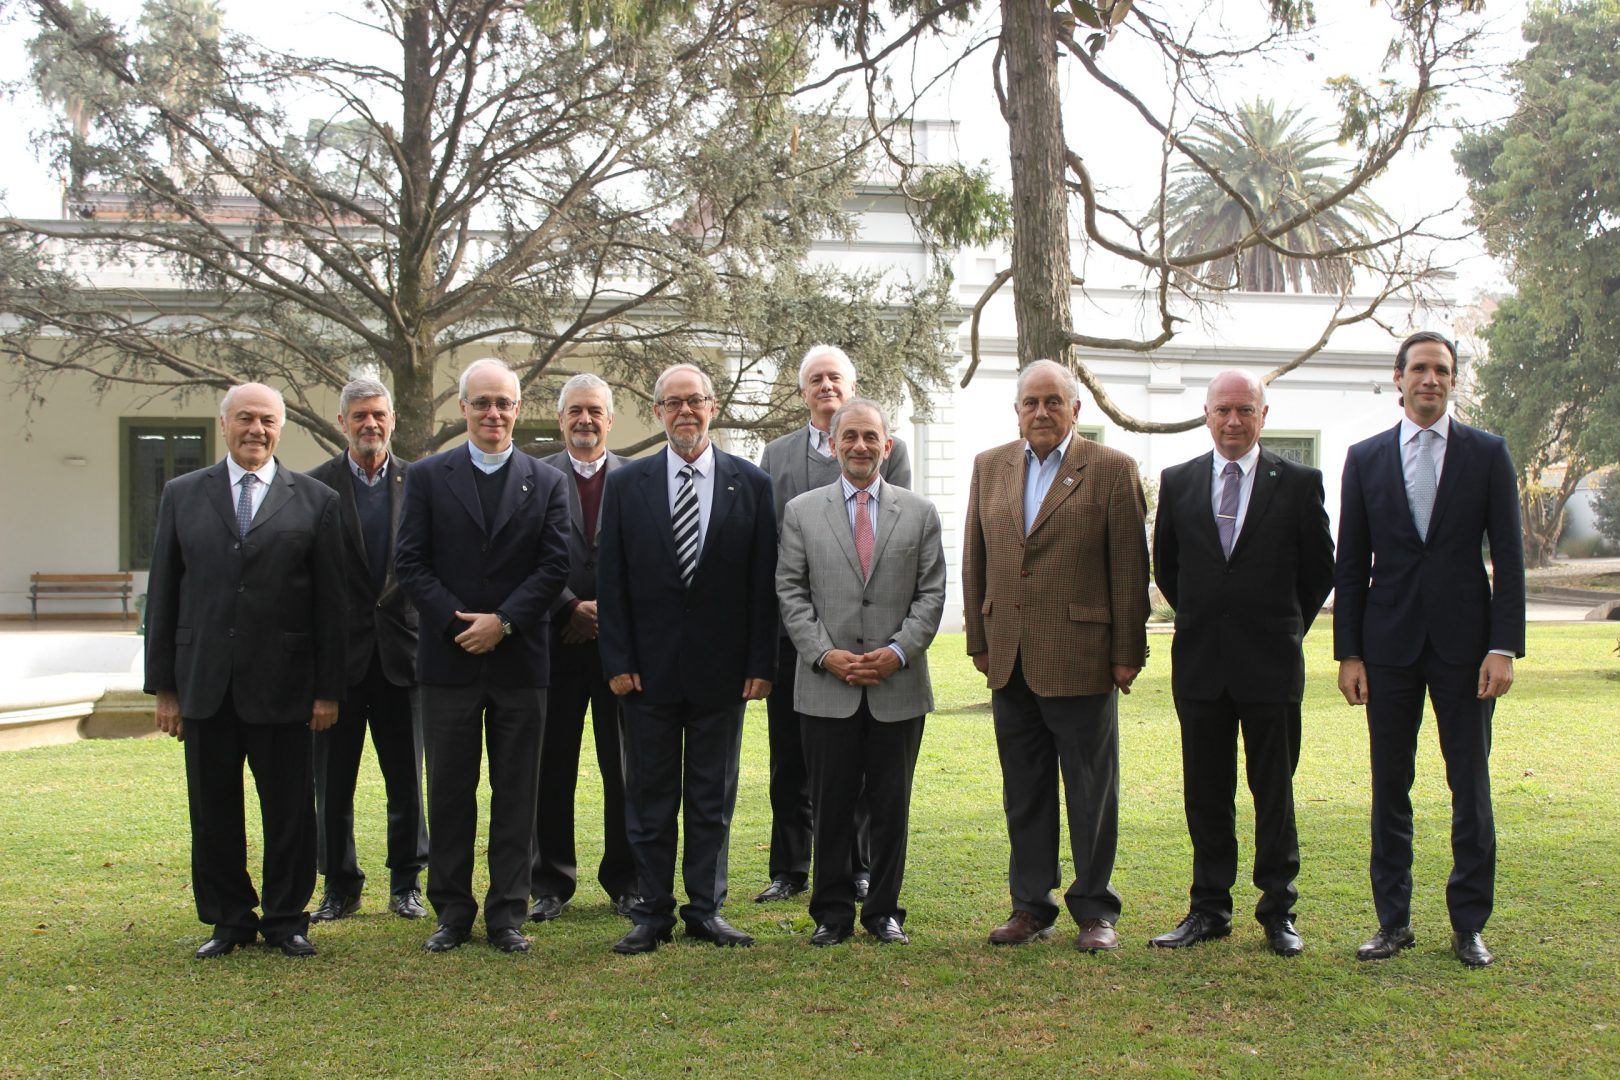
(863,532)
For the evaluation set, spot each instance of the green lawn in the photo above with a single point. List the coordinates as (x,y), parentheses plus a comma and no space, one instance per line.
(97,930)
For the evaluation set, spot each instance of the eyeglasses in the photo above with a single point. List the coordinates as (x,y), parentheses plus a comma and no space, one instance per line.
(484,404)
(695,402)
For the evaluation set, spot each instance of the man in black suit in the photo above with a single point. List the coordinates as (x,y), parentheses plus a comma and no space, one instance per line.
(1414,612)
(483,552)
(245,654)
(1242,551)
(687,604)
(800,461)
(370,482)
(584,416)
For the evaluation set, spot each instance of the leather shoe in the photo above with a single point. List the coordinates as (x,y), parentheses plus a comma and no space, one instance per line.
(1470,949)
(446,938)
(509,940)
(1096,935)
(1283,939)
(831,934)
(779,889)
(887,931)
(862,887)
(716,930)
(218,946)
(1195,927)
(295,945)
(547,908)
(1387,942)
(334,906)
(407,904)
(1021,928)
(641,939)
(623,903)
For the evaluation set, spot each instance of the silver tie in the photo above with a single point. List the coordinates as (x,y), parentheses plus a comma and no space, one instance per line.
(1423,484)
(244,504)
(1226,516)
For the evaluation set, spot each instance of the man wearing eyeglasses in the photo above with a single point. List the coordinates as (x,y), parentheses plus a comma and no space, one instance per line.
(483,553)
(686,606)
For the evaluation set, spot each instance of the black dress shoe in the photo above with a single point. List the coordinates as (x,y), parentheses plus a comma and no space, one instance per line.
(717,931)
(779,889)
(334,906)
(295,945)
(1387,942)
(407,904)
(831,934)
(509,940)
(641,939)
(1197,926)
(1470,949)
(862,887)
(547,908)
(623,903)
(446,938)
(887,931)
(219,946)
(1283,939)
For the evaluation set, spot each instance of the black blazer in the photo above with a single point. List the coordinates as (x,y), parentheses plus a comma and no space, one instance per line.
(582,554)
(1240,622)
(700,644)
(383,621)
(1394,591)
(446,563)
(260,617)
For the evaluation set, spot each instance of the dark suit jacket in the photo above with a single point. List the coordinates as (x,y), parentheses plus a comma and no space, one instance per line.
(384,621)
(447,563)
(261,617)
(1240,622)
(582,554)
(700,644)
(1394,591)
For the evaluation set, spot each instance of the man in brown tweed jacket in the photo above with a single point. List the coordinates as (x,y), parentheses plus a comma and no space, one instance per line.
(1054,579)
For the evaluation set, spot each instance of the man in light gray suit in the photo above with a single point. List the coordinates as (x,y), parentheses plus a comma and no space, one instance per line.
(802,461)
(861,580)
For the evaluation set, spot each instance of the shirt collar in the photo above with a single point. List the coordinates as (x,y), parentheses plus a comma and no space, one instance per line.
(586,469)
(354,467)
(1057,455)
(703,466)
(1244,463)
(265,472)
(1441,427)
(490,461)
(820,441)
(871,489)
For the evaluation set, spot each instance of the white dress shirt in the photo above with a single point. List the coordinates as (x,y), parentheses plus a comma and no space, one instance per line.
(1409,445)
(587,469)
(702,486)
(1245,486)
(265,473)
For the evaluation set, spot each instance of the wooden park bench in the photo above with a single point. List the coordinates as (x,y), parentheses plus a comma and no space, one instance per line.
(80,587)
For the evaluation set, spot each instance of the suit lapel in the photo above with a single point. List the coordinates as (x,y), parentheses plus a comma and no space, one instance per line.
(725,493)
(837,514)
(218,486)
(1198,507)
(801,460)
(396,503)
(1459,448)
(1265,486)
(349,510)
(518,490)
(1395,474)
(888,518)
(1070,475)
(655,493)
(460,480)
(279,495)
(1016,467)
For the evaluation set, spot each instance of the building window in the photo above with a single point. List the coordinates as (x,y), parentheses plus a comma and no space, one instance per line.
(1094,432)
(1296,446)
(538,438)
(154,452)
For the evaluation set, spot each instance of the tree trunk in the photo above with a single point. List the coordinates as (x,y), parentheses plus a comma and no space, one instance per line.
(413,353)
(1040,246)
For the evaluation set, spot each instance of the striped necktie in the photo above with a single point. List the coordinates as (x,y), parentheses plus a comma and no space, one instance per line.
(685,522)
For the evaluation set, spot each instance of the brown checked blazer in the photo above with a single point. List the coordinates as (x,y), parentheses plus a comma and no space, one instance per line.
(1070,597)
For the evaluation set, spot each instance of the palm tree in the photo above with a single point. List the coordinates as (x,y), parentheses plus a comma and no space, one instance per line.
(1271,160)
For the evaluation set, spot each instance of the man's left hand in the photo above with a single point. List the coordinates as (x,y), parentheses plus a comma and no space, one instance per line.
(323,716)
(482,635)
(1495,676)
(1124,676)
(756,689)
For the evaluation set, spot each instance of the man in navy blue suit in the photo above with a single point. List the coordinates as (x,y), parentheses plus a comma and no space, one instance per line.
(1414,612)
(483,552)
(686,605)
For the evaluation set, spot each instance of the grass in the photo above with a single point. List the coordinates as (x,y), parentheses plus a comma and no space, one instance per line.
(97,930)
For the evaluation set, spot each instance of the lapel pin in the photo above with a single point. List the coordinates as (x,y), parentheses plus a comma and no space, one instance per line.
(731,487)
(1271,472)
(1068,481)
(525,487)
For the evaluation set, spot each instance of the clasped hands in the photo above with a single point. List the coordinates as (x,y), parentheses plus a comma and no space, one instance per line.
(861,669)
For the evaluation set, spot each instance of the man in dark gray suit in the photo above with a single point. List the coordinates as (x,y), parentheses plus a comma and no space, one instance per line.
(584,416)
(801,461)
(370,482)
(861,580)
(245,653)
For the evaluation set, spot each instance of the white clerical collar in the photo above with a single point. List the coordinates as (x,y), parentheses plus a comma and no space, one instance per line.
(1245,463)
(587,469)
(265,472)
(488,463)
(702,466)
(1410,429)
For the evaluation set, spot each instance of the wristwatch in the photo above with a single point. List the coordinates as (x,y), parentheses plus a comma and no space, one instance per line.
(506,625)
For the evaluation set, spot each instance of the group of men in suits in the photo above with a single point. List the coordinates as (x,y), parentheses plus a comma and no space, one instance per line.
(667,592)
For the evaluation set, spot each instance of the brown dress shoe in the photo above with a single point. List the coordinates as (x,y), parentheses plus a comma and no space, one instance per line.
(1021,929)
(1096,935)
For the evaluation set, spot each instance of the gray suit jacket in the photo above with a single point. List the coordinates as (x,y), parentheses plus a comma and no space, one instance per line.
(581,553)
(826,604)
